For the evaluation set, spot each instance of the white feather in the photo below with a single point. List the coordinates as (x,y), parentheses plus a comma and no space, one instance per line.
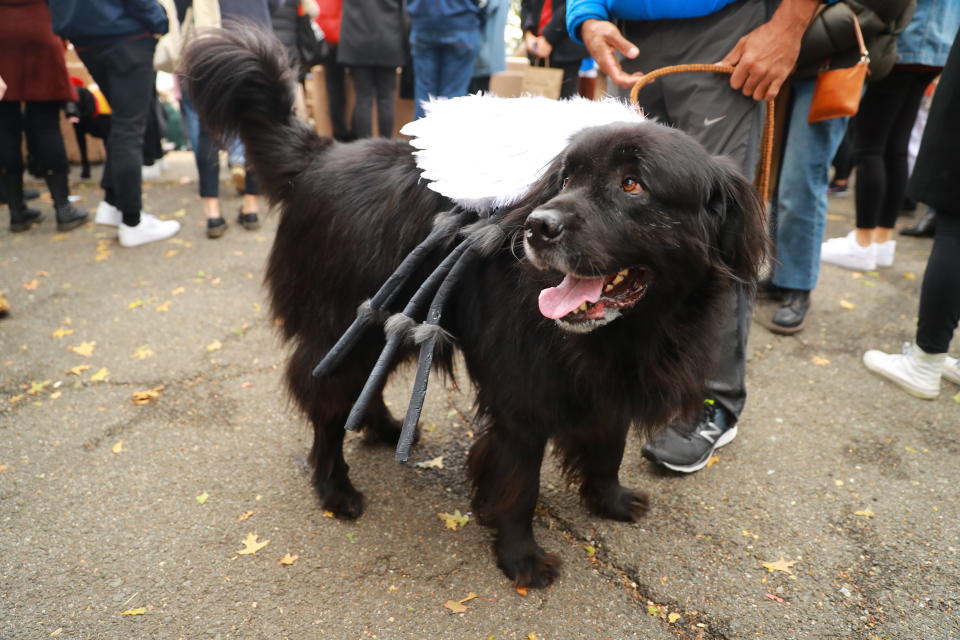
(485,151)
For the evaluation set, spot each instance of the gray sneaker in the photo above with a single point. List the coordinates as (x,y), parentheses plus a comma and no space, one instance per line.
(689,452)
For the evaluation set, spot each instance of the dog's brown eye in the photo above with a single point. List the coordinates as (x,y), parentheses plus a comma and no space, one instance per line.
(630,185)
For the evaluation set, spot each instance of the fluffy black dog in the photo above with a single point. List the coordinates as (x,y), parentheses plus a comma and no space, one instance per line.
(644,228)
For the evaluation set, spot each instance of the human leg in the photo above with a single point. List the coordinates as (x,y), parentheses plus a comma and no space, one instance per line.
(426,68)
(457,61)
(11,167)
(385,81)
(334,77)
(940,293)
(363,87)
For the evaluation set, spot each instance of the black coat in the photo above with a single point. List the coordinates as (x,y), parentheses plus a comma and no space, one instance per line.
(937,171)
(555,32)
(372,33)
(830,36)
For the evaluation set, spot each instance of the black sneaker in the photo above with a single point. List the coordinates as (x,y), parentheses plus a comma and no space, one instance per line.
(791,316)
(248,221)
(689,452)
(216,227)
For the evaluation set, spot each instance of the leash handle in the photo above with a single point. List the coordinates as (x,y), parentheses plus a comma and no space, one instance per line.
(762,182)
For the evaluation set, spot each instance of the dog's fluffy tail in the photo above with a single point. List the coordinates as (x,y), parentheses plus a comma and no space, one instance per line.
(241,84)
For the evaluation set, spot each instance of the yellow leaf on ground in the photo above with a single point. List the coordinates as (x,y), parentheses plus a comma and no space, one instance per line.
(202,498)
(245,515)
(780,565)
(84,348)
(55,395)
(61,332)
(60,237)
(57,632)
(846,304)
(31,285)
(179,213)
(163,307)
(43,274)
(868,512)
(455,520)
(3,468)
(38,387)
(139,611)
(909,275)
(142,352)
(435,463)
(956,398)
(288,559)
(820,361)
(100,376)
(16,398)
(251,545)
(213,346)
(169,253)
(522,590)
(177,291)
(712,461)
(77,370)
(117,448)
(673,617)
(136,303)
(455,606)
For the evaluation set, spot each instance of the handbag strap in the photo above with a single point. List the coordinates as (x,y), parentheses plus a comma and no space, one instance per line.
(864,54)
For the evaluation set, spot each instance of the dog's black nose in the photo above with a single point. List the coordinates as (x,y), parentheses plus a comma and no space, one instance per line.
(544,226)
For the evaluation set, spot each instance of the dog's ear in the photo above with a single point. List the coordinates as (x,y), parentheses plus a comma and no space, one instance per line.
(740,219)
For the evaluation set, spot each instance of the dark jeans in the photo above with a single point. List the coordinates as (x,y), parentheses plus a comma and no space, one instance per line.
(371,83)
(334,77)
(940,293)
(207,155)
(882,133)
(41,122)
(125,74)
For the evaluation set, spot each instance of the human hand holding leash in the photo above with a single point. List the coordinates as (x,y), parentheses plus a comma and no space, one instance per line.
(603,39)
(764,58)
(537,46)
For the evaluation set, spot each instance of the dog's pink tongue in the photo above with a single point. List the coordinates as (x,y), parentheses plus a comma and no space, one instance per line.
(558,301)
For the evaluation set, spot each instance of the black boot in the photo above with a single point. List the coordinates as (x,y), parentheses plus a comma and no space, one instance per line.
(21,216)
(791,317)
(924,227)
(68,216)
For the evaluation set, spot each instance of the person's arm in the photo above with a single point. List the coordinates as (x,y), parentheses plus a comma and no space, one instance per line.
(764,58)
(603,40)
(150,14)
(3,87)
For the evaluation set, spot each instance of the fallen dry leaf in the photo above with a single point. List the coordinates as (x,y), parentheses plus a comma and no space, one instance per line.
(179,213)
(868,513)
(712,461)
(956,398)
(57,632)
(590,549)
(100,375)
(245,515)
(77,370)
(177,291)
(251,545)
(60,237)
(820,361)
(117,448)
(455,520)
(162,307)
(38,387)
(31,285)
(846,304)
(84,348)
(202,498)
(142,352)
(3,468)
(55,395)
(673,617)
(61,332)
(213,346)
(136,303)
(522,590)
(288,559)
(909,275)
(780,565)
(435,463)
(773,597)
(457,606)
(139,611)
(169,253)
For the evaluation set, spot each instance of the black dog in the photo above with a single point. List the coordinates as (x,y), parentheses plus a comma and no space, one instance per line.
(646,230)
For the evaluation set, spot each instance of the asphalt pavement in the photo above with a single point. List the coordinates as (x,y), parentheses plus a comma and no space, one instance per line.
(146,435)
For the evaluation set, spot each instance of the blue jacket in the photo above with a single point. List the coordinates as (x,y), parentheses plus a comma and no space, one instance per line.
(928,37)
(447,15)
(579,11)
(93,21)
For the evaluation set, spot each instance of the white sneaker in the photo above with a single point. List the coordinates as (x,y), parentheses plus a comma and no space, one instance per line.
(884,252)
(916,371)
(108,214)
(845,252)
(951,369)
(150,229)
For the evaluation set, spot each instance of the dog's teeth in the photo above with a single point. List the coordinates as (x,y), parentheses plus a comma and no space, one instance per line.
(623,272)
(582,307)
(608,287)
(618,279)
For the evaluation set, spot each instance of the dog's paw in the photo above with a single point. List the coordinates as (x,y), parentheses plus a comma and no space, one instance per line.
(536,569)
(618,503)
(345,505)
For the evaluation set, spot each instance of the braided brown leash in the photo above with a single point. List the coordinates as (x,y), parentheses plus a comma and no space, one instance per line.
(766,142)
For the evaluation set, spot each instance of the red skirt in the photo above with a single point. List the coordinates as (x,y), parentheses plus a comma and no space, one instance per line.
(31,55)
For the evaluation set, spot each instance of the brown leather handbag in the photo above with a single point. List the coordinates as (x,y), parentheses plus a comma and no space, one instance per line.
(838,91)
